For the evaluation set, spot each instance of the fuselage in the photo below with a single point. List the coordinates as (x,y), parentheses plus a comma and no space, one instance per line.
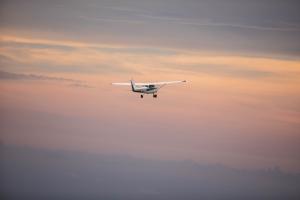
(146,89)
(151,89)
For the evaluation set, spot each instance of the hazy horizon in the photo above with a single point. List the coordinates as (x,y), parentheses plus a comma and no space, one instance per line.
(58,174)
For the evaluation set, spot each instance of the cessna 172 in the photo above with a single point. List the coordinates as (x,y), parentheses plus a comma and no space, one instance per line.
(147,88)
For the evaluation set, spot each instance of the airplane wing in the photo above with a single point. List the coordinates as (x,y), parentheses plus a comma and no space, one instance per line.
(161,83)
(122,84)
(147,84)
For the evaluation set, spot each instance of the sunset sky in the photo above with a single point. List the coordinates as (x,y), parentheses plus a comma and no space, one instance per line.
(240,106)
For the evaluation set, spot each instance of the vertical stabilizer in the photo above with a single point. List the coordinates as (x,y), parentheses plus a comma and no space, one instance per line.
(132,85)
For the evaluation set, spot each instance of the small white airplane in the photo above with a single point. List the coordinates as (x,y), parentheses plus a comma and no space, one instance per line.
(147,88)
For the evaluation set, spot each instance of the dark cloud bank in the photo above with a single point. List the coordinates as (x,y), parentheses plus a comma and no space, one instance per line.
(28,173)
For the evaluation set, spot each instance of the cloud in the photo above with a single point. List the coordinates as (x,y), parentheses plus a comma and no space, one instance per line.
(109,20)
(242,26)
(209,23)
(146,18)
(17,76)
(80,85)
(253,27)
(223,70)
(98,58)
(127,9)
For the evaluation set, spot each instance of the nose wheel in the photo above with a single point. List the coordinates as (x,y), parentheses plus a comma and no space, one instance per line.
(142,96)
(154,95)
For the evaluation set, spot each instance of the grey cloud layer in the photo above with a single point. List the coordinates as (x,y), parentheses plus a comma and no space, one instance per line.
(256,27)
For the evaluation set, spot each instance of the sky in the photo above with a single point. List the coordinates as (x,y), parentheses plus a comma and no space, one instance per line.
(239,107)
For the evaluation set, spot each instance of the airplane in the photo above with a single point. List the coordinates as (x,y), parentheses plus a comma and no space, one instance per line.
(147,88)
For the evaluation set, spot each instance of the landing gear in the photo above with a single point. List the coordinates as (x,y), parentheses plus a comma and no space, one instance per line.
(154,95)
(142,96)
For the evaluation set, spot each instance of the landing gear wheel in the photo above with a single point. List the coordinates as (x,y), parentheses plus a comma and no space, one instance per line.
(142,96)
(154,95)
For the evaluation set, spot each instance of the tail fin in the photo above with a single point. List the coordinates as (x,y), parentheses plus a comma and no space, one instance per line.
(132,85)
